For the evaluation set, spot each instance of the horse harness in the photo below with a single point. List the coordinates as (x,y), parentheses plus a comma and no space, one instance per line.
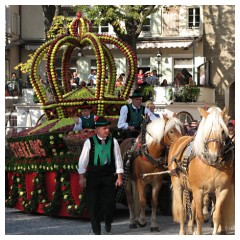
(188,156)
(143,151)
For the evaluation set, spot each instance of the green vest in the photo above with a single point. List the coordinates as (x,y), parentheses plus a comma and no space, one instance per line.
(135,116)
(102,152)
(88,123)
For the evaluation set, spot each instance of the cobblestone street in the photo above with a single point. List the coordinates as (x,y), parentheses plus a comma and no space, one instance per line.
(19,223)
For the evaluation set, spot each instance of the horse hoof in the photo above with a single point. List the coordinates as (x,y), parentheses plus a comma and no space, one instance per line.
(154,229)
(141,225)
(133,226)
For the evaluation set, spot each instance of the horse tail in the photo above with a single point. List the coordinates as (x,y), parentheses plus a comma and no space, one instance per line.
(228,210)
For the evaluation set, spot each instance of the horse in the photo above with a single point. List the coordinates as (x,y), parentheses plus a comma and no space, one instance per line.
(203,165)
(149,156)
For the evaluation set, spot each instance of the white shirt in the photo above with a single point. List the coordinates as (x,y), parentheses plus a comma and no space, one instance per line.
(84,157)
(93,78)
(122,122)
(78,126)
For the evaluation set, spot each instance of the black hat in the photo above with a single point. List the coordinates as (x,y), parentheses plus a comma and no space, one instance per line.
(136,94)
(85,105)
(101,121)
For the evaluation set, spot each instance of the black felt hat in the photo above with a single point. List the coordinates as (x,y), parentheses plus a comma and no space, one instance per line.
(136,94)
(101,121)
(85,105)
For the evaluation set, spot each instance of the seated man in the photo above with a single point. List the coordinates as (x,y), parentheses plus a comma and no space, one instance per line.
(131,116)
(86,120)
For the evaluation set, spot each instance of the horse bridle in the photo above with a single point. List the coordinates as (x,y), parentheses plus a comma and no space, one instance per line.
(222,147)
(152,160)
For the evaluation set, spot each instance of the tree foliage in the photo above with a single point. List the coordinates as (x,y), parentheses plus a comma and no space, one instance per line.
(126,20)
(49,12)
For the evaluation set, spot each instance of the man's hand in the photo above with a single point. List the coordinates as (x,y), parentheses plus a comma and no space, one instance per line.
(119,180)
(131,128)
(82,181)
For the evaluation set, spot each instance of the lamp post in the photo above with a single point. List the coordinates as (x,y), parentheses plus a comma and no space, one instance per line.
(159,57)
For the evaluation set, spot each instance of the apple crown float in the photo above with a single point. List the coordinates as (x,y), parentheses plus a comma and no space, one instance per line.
(102,98)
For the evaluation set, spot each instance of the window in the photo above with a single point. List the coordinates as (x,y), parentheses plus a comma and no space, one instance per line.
(204,74)
(193,18)
(93,64)
(180,63)
(144,62)
(146,24)
(15,24)
(103,28)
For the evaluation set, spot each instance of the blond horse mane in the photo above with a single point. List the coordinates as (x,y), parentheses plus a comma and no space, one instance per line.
(214,123)
(155,131)
(173,121)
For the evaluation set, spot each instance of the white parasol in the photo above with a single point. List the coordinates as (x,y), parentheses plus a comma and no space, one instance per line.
(29,120)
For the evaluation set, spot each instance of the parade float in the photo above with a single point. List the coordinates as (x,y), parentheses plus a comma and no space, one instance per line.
(41,161)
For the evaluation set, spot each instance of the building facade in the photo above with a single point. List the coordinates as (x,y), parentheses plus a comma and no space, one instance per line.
(191,37)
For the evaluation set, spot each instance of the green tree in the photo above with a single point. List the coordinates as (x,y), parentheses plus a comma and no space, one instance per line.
(49,12)
(127,20)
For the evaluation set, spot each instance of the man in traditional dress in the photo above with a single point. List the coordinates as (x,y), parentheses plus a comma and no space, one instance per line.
(101,156)
(86,120)
(131,116)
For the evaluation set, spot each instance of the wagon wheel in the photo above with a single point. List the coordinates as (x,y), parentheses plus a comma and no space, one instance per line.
(184,117)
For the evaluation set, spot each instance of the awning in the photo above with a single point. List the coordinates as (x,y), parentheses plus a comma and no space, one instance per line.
(154,45)
(169,44)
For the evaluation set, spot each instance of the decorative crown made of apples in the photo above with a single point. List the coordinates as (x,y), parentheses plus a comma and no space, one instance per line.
(66,102)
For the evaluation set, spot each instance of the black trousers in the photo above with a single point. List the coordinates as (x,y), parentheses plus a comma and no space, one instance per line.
(100,199)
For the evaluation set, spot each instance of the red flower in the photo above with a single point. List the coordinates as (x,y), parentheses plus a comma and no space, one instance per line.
(63,188)
(60,145)
(96,118)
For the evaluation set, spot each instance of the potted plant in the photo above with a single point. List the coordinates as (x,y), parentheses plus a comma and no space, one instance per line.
(187,94)
(148,92)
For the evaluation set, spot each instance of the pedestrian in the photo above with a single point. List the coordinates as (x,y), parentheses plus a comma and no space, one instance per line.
(13,85)
(131,116)
(179,79)
(86,120)
(151,106)
(164,83)
(186,128)
(101,170)
(119,82)
(193,128)
(92,78)
(152,79)
(76,78)
(140,77)
(231,131)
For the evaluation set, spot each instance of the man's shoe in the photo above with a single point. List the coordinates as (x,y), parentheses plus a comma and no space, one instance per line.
(108,227)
